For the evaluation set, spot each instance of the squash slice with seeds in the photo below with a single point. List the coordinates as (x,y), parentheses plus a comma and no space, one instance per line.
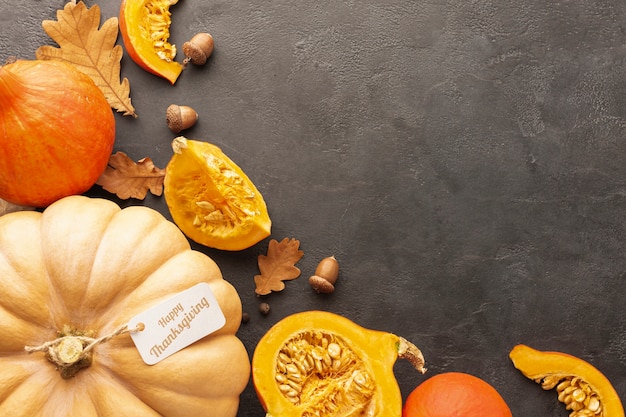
(584,390)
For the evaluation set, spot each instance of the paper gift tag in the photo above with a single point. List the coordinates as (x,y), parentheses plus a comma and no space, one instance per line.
(176,323)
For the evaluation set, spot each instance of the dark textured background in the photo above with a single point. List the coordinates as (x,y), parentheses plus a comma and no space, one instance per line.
(465,161)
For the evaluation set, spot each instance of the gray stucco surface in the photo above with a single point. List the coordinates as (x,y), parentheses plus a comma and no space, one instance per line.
(465,161)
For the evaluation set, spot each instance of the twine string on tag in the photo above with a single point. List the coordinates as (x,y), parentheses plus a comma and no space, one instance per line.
(91,342)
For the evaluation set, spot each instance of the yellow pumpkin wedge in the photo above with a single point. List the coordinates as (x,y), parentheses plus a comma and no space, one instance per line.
(211,199)
(81,269)
(317,363)
(583,389)
(145,29)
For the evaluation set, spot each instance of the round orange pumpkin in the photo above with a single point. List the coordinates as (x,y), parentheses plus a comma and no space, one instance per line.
(88,266)
(57,131)
(455,394)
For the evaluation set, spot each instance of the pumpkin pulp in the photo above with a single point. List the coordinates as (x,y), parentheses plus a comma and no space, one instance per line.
(580,386)
(145,29)
(211,199)
(316,363)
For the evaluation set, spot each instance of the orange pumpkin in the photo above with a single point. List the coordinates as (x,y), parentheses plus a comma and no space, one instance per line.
(455,394)
(82,269)
(57,131)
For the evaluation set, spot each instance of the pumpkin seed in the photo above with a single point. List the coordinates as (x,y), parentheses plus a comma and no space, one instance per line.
(576,394)
(321,370)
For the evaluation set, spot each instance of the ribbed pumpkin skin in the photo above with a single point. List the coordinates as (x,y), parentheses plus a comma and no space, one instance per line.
(91,265)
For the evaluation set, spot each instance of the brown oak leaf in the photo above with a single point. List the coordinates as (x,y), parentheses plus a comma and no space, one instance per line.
(92,50)
(278,265)
(128,179)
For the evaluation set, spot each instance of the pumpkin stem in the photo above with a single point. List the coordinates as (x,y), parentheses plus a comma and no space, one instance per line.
(72,351)
(410,352)
(69,356)
(69,350)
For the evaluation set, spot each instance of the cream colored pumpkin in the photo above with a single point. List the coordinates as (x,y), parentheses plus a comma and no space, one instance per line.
(88,264)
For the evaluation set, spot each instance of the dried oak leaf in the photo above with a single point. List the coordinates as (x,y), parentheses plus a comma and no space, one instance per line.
(278,265)
(128,179)
(93,51)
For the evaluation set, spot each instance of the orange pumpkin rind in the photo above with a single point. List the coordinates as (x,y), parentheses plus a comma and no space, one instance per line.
(583,389)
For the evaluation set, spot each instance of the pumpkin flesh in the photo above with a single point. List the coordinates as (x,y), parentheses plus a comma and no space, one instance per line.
(90,265)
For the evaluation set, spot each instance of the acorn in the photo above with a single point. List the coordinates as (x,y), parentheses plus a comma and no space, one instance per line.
(180,117)
(264,308)
(198,49)
(326,273)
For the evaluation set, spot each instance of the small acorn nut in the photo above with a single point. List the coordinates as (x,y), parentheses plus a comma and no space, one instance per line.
(325,276)
(180,117)
(198,49)
(264,308)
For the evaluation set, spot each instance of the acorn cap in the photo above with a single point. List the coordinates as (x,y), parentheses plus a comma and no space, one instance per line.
(321,285)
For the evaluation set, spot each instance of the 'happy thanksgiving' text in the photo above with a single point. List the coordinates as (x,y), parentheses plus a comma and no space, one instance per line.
(178,327)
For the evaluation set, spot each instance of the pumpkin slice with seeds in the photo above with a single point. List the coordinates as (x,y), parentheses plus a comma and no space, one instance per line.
(211,199)
(584,390)
(145,29)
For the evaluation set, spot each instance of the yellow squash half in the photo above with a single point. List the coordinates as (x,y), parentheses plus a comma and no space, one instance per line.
(317,363)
